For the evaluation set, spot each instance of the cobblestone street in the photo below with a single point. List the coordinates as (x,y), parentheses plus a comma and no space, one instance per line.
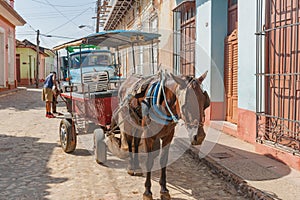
(33,165)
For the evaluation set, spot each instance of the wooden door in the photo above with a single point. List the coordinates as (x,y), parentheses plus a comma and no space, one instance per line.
(231,77)
(2,63)
(232,16)
(18,68)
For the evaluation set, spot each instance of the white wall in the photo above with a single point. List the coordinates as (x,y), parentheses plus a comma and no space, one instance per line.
(11,59)
(247,55)
(2,57)
(203,41)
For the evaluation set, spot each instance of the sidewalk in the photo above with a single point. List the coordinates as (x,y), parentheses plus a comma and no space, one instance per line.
(258,175)
(7,92)
(29,88)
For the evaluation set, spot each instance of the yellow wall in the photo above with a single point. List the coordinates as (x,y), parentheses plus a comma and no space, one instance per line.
(27,65)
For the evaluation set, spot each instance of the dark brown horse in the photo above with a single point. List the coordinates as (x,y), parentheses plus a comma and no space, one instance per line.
(150,110)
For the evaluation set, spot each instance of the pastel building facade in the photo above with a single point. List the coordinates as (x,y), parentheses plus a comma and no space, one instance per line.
(26,53)
(251,51)
(9,19)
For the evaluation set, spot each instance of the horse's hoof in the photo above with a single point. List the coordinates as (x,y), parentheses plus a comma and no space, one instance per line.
(147,197)
(197,140)
(196,143)
(130,172)
(138,172)
(135,172)
(165,196)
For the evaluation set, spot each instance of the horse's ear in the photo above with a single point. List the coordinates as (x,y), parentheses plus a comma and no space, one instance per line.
(179,80)
(203,76)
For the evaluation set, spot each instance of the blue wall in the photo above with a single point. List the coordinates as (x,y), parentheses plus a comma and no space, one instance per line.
(219,32)
(179,1)
(246,54)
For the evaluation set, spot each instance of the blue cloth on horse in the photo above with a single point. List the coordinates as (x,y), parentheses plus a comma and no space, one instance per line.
(149,107)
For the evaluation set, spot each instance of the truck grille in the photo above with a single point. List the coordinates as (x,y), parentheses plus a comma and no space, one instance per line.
(97,81)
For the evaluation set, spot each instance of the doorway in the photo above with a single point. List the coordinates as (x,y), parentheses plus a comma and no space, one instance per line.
(2,59)
(231,64)
(18,63)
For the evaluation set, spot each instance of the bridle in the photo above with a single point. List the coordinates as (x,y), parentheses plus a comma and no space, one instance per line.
(195,124)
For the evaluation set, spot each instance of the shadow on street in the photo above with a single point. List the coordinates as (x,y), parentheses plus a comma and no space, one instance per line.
(23,168)
(241,162)
(24,103)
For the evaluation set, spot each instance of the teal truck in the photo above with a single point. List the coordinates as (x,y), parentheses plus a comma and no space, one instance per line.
(94,69)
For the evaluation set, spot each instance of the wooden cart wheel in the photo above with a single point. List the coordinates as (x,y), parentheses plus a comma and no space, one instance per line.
(100,146)
(67,135)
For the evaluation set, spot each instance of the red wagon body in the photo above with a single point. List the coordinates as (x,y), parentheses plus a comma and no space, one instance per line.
(97,107)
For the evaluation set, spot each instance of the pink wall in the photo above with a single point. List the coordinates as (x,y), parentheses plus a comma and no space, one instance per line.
(12,3)
(247,125)
(42,68)
(8,29)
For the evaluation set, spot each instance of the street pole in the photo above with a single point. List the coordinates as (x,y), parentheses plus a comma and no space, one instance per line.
(37,59)
(98,15)
(58,67)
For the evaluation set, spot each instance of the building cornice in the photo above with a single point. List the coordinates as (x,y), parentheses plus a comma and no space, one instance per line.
(118,11)
(10,14)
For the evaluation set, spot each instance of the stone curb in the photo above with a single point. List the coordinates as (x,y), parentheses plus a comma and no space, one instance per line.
(8,92)
(239,183)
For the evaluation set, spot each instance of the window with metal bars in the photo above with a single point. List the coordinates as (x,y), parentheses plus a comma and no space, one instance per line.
(184,38)
(278,74)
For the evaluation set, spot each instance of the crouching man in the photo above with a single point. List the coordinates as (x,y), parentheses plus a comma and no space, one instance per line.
(47,95)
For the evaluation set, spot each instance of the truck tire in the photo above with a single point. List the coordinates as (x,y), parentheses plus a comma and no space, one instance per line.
(67,135)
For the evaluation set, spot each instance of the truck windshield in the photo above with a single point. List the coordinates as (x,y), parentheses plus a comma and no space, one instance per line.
(91,59)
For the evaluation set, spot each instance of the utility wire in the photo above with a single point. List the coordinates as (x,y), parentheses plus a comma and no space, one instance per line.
(62,5)
(40,13)
(69,20)
(31,26)
(53,17)
(56,36)
(25,34)
(46,42)
(48,36)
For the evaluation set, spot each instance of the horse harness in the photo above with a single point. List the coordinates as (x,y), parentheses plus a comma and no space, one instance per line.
(151,105)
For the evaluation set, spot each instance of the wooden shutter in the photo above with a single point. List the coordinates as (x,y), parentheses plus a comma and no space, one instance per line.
(18,65)
(231,77)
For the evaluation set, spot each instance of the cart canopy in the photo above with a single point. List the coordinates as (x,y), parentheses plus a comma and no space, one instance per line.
(114,39)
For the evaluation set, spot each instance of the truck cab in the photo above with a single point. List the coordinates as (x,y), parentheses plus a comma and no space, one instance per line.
(93,70)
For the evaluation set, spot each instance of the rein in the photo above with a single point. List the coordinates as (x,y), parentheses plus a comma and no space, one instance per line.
(174,118)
